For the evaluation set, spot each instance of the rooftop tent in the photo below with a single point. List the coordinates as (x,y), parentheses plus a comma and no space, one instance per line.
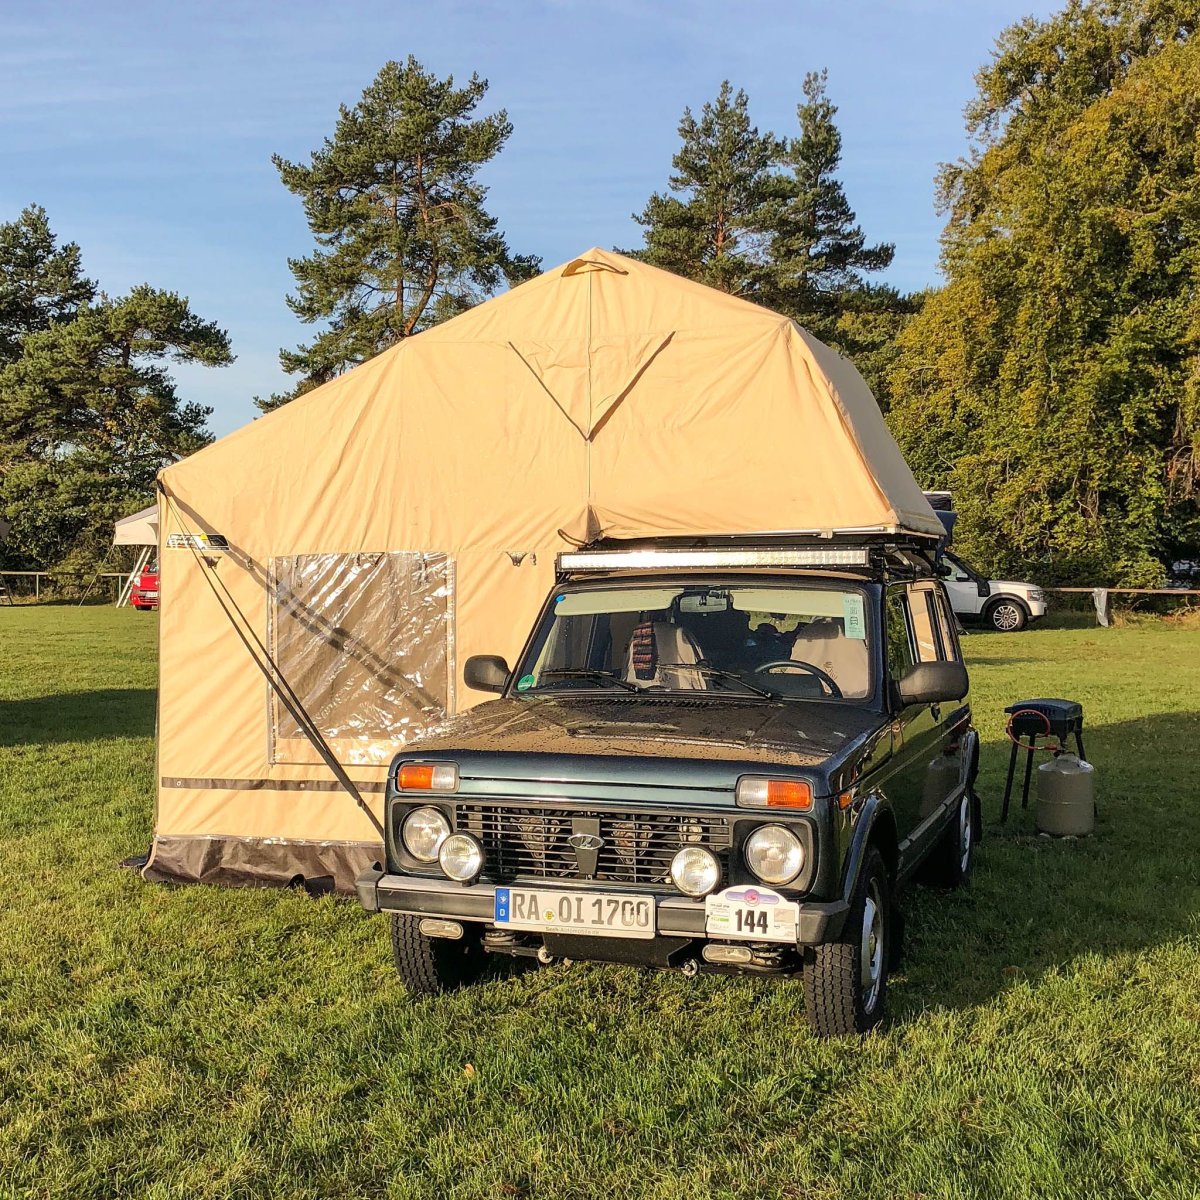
(371,535)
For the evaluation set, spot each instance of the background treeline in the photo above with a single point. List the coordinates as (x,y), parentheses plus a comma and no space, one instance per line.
(1053,381)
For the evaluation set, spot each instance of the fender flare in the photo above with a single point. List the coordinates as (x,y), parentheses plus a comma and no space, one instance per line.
(875,812)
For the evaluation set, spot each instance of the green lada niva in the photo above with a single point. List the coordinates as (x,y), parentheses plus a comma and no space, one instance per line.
(717,757)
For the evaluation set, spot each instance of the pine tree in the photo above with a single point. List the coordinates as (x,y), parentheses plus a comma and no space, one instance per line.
(90,414)
(818,253)
(394,202)
(41,283)
(712,224)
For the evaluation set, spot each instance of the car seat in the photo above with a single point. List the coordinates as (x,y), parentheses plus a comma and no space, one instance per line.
(824,644)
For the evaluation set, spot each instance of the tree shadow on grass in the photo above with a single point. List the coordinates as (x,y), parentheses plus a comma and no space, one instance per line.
(1036,904)
(78,717)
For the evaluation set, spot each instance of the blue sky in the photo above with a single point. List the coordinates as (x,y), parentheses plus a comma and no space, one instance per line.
(146,130)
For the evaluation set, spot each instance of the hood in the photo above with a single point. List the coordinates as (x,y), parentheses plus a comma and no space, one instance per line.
(526,735)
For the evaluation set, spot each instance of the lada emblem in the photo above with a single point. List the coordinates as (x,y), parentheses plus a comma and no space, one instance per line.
(585,841)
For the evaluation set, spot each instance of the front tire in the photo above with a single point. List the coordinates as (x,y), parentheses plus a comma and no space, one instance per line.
(950,862)
(1007,616)
(429,966)
(845,986)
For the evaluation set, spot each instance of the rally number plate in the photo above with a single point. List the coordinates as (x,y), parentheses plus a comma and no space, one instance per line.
(754,914)
(598,913)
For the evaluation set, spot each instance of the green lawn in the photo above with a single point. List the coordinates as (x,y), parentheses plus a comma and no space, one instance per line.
(1044,1038)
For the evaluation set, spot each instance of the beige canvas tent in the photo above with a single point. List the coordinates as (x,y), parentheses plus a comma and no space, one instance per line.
(370,536)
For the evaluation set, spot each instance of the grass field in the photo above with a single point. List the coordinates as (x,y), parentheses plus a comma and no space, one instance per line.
(1044,1038)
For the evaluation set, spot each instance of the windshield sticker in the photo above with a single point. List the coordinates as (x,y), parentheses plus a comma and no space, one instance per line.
(525,683)
(852,611)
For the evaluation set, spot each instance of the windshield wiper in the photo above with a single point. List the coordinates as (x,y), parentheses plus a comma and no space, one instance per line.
(732,676)
(590,673)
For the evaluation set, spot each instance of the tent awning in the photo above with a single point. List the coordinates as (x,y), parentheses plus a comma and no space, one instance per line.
(137,529)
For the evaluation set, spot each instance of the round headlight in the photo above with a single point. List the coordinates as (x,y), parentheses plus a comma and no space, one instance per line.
(423,832)
(461,857)
(695,871)
(774,854)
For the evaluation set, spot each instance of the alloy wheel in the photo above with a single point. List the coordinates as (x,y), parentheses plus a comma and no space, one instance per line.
(1006,617)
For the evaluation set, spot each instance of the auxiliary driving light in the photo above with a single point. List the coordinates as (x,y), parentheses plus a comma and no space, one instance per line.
(774,854)
(427,777)
(695,871)
(423,832)
(461,857)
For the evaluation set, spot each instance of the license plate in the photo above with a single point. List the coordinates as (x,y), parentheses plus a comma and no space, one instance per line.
(754,914)
(597,913)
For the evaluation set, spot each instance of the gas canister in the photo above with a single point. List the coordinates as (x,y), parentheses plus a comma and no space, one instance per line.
(1066,796)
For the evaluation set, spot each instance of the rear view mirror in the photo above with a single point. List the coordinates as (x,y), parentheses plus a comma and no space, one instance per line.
(933,682)
(486,673)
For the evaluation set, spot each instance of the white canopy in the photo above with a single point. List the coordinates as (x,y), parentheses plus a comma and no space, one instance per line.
(137,529)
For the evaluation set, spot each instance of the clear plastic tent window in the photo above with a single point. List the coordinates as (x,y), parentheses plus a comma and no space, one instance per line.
(365,640)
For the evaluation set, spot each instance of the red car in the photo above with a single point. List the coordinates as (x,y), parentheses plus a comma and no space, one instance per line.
(144,594)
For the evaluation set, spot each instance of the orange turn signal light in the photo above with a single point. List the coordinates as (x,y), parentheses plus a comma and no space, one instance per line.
(427,777)
(774,793)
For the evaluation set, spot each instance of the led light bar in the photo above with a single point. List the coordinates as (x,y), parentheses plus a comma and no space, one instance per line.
(647,560)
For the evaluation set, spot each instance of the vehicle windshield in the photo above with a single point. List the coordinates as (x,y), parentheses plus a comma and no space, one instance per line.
(758,639)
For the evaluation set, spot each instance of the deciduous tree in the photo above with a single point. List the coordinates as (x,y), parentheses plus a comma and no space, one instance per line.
(1054,383)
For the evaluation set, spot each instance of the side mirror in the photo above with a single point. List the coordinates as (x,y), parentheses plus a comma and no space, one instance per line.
(944,570)
(486,673)
(933,682)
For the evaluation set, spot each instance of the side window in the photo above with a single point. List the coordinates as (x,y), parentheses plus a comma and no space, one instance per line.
(899,639)
(920,608)
(933,629)
(946,626)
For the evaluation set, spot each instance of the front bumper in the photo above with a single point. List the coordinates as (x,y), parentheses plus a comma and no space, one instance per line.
(675,916)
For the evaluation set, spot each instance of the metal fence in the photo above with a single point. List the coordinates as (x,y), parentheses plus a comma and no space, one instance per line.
(24,585)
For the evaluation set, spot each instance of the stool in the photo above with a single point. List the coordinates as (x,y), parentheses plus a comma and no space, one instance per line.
(1033,719)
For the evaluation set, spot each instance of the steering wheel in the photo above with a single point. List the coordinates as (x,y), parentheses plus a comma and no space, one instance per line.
(823,676)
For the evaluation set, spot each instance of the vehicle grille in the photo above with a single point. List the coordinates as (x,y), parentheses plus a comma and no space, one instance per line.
(637,847)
